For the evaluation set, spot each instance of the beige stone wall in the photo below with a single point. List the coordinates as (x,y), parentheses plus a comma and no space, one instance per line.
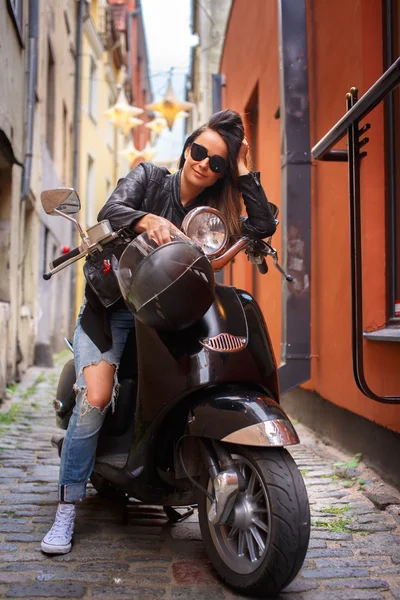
(12,118)
(24,315)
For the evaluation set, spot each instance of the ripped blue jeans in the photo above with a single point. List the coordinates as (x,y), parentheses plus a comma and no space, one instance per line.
(80,443)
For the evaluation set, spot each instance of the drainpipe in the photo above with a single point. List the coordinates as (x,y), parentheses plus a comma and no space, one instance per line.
(77,127)
(133,13)
(77,93)
(296,191)
(32,82)
(33,35)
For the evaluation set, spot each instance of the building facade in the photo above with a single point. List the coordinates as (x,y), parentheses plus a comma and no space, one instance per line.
(36,116)
(61,67)
(12,119)
(113,56)
(209,20)
(291,86)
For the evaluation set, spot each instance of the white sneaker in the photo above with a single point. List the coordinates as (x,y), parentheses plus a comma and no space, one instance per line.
(58,539)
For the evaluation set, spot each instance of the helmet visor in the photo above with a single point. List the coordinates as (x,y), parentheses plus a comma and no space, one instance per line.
(156,259)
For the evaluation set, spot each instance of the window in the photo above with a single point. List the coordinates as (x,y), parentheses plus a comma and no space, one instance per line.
(15,10)
(392,112)
(93,89)
(252,110)
(252,128)
(110,125)
(51,101)
(5,227)
(90,216)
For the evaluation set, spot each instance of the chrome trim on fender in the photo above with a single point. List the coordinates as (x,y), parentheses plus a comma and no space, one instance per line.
(224,342)
(268,433)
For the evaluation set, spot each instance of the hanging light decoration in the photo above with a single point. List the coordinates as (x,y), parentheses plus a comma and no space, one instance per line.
(157,125)
(122,111)
(182,114)
(131,153)
(169,106)
(131,123)
(148,152)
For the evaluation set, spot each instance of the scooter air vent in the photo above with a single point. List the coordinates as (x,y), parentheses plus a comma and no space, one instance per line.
(224,342)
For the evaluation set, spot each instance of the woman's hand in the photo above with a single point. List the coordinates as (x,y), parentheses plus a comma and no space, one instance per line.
(161,228)
(242,158)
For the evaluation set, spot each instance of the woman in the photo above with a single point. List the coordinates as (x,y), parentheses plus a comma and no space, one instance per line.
(213,172)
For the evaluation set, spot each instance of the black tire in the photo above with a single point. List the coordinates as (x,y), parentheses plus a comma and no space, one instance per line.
(253,560)
(104,488)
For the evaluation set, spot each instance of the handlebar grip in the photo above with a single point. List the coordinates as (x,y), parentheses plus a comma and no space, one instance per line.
(61,259)
(263,267)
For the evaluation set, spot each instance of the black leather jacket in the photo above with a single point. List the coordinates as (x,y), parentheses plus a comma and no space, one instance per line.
(152,189)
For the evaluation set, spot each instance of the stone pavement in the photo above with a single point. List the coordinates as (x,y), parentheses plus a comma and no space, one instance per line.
(354,552)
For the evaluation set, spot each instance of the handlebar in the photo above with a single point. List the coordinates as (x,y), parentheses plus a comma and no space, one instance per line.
(257,250)
(61,259)
(263,267)
(220,262)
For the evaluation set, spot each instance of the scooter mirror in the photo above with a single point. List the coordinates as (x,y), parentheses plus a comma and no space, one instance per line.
(206,227)
(64,200)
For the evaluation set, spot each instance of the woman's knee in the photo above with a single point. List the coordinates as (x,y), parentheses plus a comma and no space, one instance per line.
(100,383)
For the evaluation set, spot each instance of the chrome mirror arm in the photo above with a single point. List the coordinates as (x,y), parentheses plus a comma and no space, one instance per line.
(83,235)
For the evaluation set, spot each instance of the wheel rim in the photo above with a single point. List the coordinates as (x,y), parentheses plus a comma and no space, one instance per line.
(243,542)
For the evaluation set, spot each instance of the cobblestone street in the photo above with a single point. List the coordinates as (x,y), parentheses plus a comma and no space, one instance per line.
(354,552)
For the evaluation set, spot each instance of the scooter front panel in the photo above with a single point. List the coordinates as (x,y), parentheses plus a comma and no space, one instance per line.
(238,413)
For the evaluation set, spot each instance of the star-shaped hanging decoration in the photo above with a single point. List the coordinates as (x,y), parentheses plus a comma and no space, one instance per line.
(157,125)
(131,153)
(183,114)
(122,111)
(148,152)
(169,106)
(131,123)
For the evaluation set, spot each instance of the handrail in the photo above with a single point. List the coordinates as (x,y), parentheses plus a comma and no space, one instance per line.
(376,93)
(349,123)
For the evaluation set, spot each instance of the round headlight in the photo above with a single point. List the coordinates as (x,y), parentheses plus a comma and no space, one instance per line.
(206,227)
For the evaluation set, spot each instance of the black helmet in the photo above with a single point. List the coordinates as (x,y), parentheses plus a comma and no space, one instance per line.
(168,286)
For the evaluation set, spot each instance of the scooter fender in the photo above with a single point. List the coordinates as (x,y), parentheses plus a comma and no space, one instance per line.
(241,416)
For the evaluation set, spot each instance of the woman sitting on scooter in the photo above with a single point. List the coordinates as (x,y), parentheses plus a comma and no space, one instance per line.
(213,172)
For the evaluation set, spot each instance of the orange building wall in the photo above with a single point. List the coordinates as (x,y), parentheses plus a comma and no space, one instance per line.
(251,57)
(345,50)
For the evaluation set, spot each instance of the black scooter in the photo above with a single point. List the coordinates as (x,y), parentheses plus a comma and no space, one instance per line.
(198,421)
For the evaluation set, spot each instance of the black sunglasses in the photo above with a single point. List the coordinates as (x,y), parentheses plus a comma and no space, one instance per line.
(217,163)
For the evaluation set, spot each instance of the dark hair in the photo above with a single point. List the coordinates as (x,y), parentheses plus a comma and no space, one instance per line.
(224,195)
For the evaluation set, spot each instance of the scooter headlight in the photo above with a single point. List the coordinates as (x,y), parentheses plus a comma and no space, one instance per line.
(207,228)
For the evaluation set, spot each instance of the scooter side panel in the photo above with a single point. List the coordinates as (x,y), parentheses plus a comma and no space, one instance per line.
(174,364)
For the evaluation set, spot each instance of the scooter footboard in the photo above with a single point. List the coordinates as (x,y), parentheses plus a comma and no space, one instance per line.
(241,416)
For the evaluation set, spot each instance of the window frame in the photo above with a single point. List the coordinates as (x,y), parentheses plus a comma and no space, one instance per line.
(391,37)
(252,112)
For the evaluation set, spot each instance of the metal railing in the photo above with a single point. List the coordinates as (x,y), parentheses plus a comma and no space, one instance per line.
(357,109)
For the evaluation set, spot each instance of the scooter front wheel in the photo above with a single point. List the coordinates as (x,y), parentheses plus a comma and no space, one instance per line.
(262,546)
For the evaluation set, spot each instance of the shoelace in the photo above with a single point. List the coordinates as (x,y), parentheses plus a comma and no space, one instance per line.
(61,526)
